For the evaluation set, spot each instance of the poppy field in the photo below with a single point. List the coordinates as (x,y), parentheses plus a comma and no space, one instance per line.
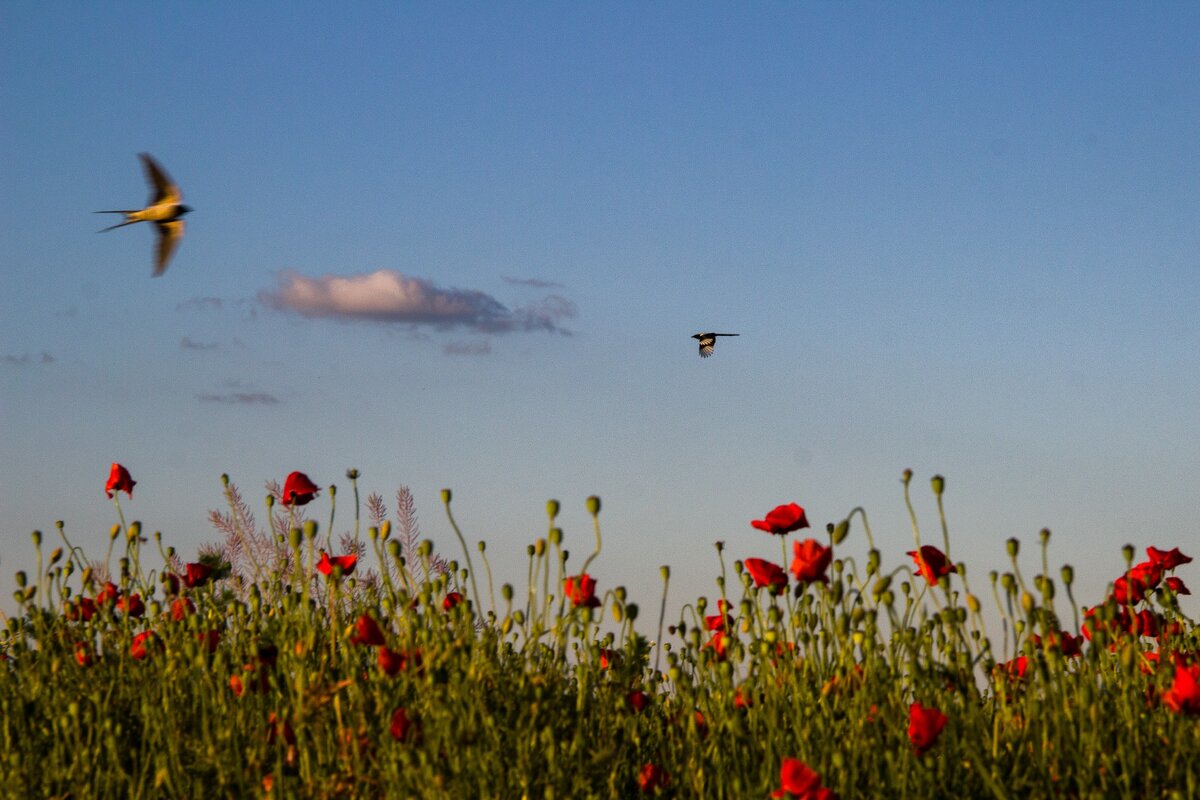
(286,662)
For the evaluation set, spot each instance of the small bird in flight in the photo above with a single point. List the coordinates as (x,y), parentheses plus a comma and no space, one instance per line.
(165,210)
(707,340)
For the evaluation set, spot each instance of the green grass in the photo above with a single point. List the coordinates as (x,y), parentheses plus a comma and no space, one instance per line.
(521,693)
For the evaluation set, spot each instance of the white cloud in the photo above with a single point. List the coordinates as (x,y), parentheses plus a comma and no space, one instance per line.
(389,296)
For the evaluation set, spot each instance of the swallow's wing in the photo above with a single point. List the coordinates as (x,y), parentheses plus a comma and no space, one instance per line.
(169,234)
(164,188)
(706,345)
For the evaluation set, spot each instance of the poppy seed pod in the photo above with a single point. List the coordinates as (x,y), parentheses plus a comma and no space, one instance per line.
(1068,574)
(446,494)
(593,505)
(552,507)
(1013,546)
(939,484)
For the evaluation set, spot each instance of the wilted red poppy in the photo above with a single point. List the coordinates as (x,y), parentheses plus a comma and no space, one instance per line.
(1184,695)
(782,520)
(651,778)
(931,563)
(924,727)
(132,605)
(142,644)
(767,574)
(119,481)
(367,631)
(638,700)
(298,490)
(327,563)
(1167,559)
(797,779)
(108,595)
(402,728)
(451,600)
(581,590)
(811,560)
(197,575)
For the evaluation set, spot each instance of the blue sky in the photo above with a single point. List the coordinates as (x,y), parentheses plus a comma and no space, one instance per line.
(959,239)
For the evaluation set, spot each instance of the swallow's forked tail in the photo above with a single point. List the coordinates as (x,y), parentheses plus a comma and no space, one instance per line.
(119,224)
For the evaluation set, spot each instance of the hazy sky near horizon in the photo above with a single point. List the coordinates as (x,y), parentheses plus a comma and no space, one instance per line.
(466,245)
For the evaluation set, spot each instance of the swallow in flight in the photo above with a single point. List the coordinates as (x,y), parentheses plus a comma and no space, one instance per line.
(165,210)
(707,340)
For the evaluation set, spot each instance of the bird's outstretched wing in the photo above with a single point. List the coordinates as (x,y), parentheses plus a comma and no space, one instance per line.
(169,234)
(164,189)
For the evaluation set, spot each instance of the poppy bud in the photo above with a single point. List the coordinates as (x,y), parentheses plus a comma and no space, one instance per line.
(906,477)
(872,561)
(556,536)
(841,531)
(666,572)
(1044,533)
(310,529)
(1127,552)
(37,538)
(446,496)
(1027,602)
(352,474)
(21,578)
(939,484)
(1013,546)
(55,556)
(385,530)
(881,584)
(270,501)
(973,603)
(552,507)
(1068,574)
(519,617)
(593,505)
(114,532)
(620,594)
(720,546)
(631,611)
(332,490)
(393,548)
(540,547)
(294,537)
(1008,581)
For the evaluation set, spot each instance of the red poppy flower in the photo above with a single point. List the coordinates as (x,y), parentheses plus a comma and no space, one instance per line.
(84,608)
(451,600)
(181,608)
(132,605)
(1177,586)
(108,595)
(142,644)
(931,563)
(391,662)
(742,700)
(170,582)
(1062,641)
(798,780)
(811,560)
(84,655)
(402,728)
(767,574)
(119,481)
(1184,695)
(719,643)
(651,778)
(327,563)
(298,490)
(581,590)
(782,520)
(279,728)
(608,658)
(209,640)
(721,620)
(367,631)
(701,725)
(1014,669)
(1167,559)
(638,700)
(197,575)
(924,727)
